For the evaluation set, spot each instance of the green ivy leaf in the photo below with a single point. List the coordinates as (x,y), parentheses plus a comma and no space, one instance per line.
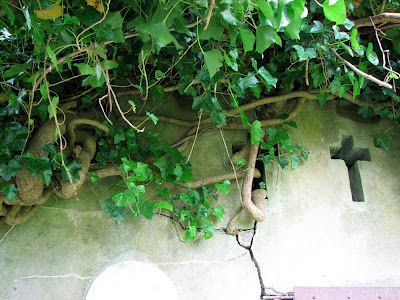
(202,3)
(73,169)
(248,39)
(276,136)
(224,186)
(383,141)
(219,212)
(371,55)
(243,118)
(9,170)
(294,161)
(16,69)
(256,132)
(322,97)
(161,34)
(353,39)
(52,56)
(190,234)
(37,165)
(93,176)
(142,172)
(52,108)
(114,19)
(213,61)
(49,148)
(145,208)
(267,10)
(162,164)
(111,209)
(214,31)
(163,192)
(305,53)
(8,12)
(85,69)
(269,80)
(335,11)
(240,161)
(265,37)
(228,17)
(165,205)
(366,111)
(250,81)
(46,176)
(181,25)
(98,71)
(9,190)
(152,116)
(178,173)
(293,29)
(109,64)
(184,213)
(208,228)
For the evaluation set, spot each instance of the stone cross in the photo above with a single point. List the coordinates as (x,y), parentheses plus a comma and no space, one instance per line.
(351,157)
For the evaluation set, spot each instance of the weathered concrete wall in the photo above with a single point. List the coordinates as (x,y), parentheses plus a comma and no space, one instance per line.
(314,234)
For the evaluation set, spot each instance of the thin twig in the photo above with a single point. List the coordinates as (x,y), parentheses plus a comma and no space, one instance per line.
(306,75)
(383,6)
(383,52)
(195,137)
(112,96)
(361,73)
(233,166)
(91,26)
(7,233)
(210,10)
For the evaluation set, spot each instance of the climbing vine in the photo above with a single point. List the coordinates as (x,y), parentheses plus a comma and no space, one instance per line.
(68,66)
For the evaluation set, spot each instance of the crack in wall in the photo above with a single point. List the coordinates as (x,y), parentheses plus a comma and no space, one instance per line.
(191,262)
(266,292)
(54,276)
(253,259)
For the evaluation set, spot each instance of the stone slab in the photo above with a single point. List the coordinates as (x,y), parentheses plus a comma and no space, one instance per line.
(314,234)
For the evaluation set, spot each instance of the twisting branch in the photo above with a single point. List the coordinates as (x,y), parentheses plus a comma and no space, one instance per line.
(210,10)
(384,52)
(218,178)
(253,201)
(383,6)
(361,73)
(381,18)
(91,26)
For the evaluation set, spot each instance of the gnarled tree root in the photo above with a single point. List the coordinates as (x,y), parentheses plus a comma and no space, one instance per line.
(31,189)
(19,214)
(83,154)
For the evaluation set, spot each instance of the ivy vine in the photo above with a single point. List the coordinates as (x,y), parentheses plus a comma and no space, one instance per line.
(67,67)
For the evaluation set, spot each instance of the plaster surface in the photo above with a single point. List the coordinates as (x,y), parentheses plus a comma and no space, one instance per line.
(132,280)
(314,234)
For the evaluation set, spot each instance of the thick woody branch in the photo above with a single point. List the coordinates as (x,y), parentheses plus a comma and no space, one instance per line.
(253,201)
(378,19)
(218,178)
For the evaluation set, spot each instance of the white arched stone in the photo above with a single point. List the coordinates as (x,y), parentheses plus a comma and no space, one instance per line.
(132,280)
